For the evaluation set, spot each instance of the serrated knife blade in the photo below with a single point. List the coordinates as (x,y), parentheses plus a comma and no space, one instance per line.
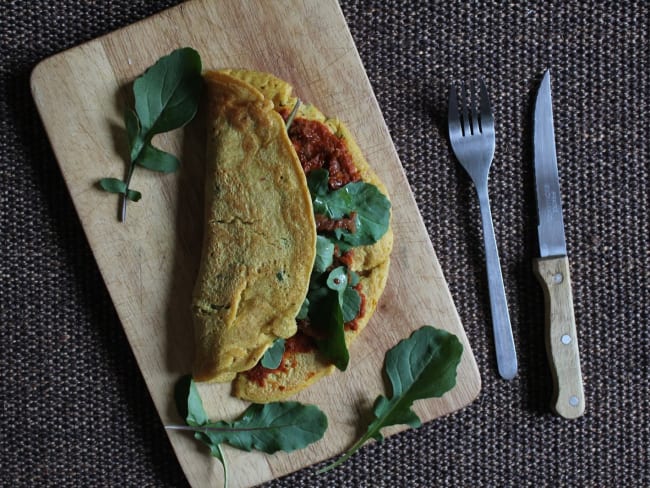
(552,268)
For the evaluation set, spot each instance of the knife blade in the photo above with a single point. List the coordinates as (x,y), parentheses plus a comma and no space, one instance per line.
(552,267)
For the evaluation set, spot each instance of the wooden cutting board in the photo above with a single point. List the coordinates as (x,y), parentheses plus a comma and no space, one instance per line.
(150,263)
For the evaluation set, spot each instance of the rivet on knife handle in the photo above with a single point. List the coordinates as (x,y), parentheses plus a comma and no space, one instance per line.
(561,336)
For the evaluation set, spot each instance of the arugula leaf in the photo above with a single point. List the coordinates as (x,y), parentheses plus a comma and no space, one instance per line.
(189,403)
(342,281)
(271,427)
(372,212)
(133,195)
(324,254)
(113,185)
(156,159)
(422,366)
(317,182)
(278,426)
(132,126)
(350,302)
(273,355)
(337,280)
(332,302)
(353,278)
(370,207)
(166,98)
(327,317)
(166,94)
(304,310)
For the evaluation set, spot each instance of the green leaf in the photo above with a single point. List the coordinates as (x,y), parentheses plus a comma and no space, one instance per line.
(112,185)
(272,427)
(327,317)
(333,302)
(372,213)
(370,207)
(190,408)
(422,366)
(304,310)
(354,278)
(188,402)
(166,98)
(342,281)
(167,94)
(280,426)
(335,347)
(317,181)
(157,160)
(350,302)
(195,413)
(324,254)
(133,195)
(181,394)
(273,355)
(337,280)
(132,126)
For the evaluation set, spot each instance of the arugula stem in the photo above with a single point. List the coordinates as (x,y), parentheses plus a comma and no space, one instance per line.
(202,430)
(348,454)
(292,115)
(205,430)
(208,429)
(225,466)
(126,192)
(379,422)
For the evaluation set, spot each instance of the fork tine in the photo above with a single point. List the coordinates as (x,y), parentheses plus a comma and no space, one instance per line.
(487,121)
(467,123)
(474,102)
(453,116)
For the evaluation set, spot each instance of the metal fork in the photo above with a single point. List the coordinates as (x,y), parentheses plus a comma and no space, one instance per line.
(471,133)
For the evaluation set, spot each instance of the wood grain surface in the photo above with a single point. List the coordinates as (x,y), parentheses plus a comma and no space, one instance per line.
(149,264)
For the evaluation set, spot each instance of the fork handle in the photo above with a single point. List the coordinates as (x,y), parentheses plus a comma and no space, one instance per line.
(502,330)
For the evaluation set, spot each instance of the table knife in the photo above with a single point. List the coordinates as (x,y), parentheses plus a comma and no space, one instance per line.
(552,268)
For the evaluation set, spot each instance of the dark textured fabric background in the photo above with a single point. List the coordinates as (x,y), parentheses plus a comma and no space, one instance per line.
(75,410)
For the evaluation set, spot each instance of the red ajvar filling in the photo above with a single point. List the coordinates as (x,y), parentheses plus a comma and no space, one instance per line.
(318,147)
(325,224)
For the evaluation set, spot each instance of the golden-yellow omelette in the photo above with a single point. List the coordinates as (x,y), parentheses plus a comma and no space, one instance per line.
(260,235)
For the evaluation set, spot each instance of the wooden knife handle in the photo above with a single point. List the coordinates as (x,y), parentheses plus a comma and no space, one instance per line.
(561,336)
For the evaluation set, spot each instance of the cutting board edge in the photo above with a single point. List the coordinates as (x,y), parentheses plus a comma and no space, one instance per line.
(40,70)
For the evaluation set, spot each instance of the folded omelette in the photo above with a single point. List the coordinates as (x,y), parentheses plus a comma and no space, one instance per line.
(259,258)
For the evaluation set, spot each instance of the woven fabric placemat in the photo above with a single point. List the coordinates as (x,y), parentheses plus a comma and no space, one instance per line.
(75,410)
